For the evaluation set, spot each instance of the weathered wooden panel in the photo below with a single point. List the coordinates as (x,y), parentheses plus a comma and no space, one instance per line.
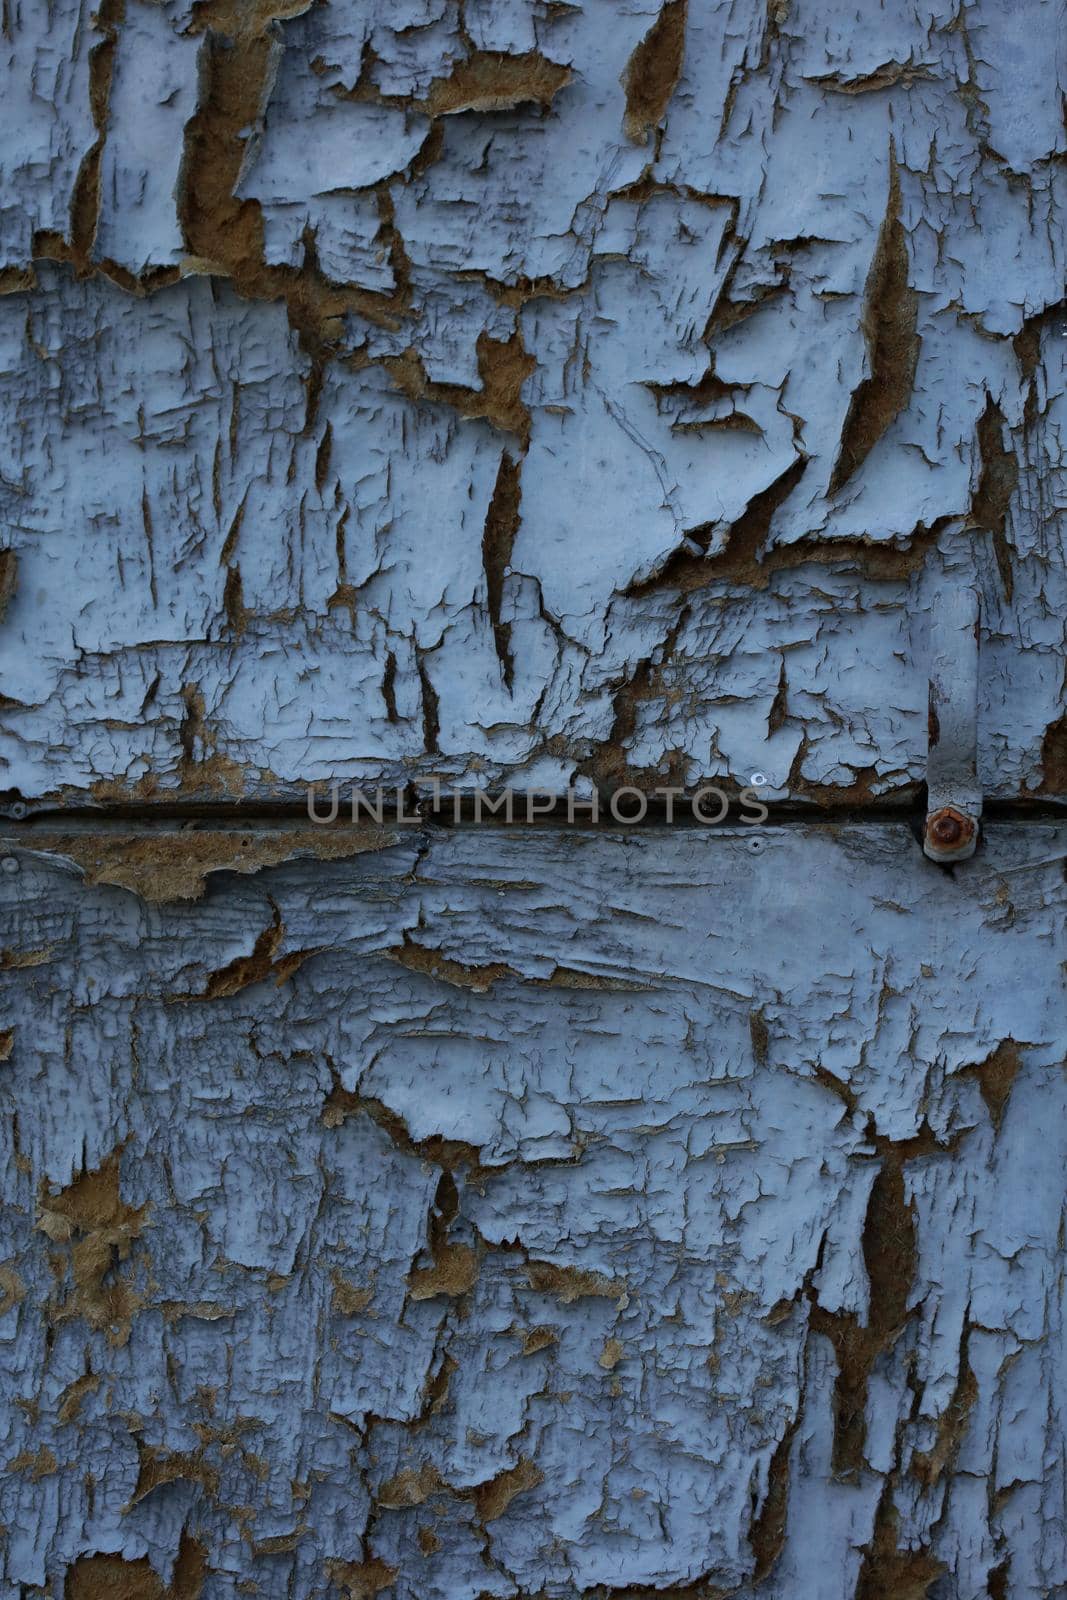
(544,394)
(526,392)
(536,1213)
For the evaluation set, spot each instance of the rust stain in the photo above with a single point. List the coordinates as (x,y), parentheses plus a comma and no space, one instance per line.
(409,1488)
(1054,758)
(233,602)
(996,1076)
(449,1154)
(889,1573)
(492,1499)
(202,767)
(243,971)
(929,1465)
(91,1217)
(886,76)
(503,367)
(653,71)
(15,960)
(349,1299)
(455,1266)
(492,80)
(498,538)
(70,1401)
(224,234)
(159,1467)
(12,1289)
(890,1255)
(768,1529)
(85,201)
(35,1464)
(539,1338)
(572,1283)
(747,560)
(480,979)
(433,964)
(612,1353)
(361,1580)
(949,830)
(168,866)
(9,567)
(997,483)
(455,1270)
(109,1577)
(890,315)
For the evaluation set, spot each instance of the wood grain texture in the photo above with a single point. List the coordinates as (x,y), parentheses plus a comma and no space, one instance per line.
(540,1213)
(554,395)
(527,393)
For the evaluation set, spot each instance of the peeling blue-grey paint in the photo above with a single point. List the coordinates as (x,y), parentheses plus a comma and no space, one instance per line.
(514,392)
(541,1150)
(277,498)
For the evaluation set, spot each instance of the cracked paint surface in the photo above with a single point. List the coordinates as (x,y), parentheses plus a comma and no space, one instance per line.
(633,1224)
(544,393)
(525,392)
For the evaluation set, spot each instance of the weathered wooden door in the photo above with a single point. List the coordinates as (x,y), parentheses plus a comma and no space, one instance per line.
(620,410)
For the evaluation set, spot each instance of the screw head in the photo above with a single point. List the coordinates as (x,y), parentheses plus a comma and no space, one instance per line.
(758,779)
(755,846)
(9,864)
(946,830)
(19,809)
(950,833)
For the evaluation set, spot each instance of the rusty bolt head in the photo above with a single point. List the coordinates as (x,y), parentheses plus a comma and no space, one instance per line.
(949,832)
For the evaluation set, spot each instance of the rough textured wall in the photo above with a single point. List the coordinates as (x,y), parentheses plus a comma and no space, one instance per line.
(526,390)
(547,394)
(543,1213)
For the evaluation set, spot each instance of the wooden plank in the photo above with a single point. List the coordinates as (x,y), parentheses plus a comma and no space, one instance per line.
(557,396)
(538,1212)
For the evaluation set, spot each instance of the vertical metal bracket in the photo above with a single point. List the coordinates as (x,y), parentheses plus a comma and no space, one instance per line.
(954,796)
